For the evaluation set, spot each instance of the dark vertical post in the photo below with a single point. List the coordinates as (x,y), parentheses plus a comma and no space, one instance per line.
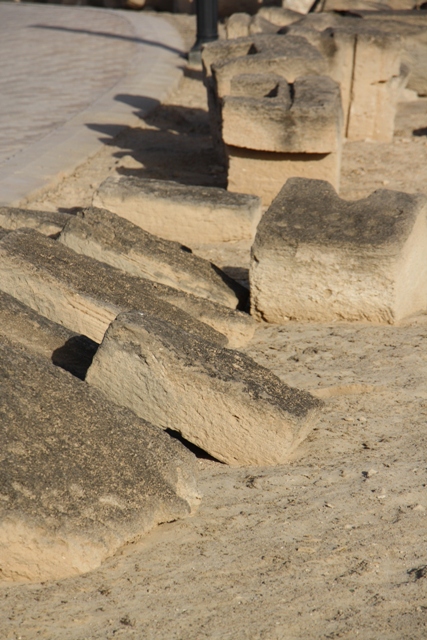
(207,27)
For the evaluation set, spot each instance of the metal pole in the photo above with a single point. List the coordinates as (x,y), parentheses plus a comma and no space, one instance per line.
(207,27)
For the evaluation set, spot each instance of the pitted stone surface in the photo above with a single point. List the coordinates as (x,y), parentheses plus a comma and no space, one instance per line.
(309,122)
(219,399)
(86,295)
(187,214)
(102,235)
(317,257)
(79,475)
(47,222)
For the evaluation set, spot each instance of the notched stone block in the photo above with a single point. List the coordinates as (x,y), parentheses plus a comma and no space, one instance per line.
(219,399)
(308,122)
(102,235)
(86,295)
(317,257)
(187,214)
(79,476)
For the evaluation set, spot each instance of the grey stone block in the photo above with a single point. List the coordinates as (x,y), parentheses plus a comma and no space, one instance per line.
(86,295)
(317,257)
(79,476)
(109,238)
(187,214)
(219,399)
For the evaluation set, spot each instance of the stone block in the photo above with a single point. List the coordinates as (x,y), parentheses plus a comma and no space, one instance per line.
(86,295)
(219,399)
(308,122)
(319,258)
(46,222)
(80,476)
(264,173)
(187,214)
(41,336)
(287,56)
(279,16)
(237,25)
(102,235)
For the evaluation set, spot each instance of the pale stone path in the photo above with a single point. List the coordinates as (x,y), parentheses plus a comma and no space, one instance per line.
(70,78)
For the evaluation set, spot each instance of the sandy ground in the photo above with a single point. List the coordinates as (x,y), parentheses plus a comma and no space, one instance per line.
(332,545)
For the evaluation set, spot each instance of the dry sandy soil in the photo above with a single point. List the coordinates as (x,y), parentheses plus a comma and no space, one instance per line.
(332,545)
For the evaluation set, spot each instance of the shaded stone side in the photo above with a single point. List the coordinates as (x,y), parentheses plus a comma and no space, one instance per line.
(219,399)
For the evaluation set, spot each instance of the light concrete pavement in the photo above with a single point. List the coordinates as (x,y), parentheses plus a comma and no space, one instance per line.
(68,76)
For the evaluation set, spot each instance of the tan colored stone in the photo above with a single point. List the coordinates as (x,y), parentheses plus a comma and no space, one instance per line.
(219,399)
(41,336)
(102,235)
(47,222)
(187,214)
(237,25)
(309,122)
(265,173)
(80,476)
(86,295)
(319,258)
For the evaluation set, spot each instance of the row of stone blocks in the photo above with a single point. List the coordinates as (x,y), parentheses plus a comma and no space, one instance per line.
(282,104)
(83,468)
(148,331)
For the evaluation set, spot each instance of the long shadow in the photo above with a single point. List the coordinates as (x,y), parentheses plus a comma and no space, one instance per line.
(174,144)
(112,36)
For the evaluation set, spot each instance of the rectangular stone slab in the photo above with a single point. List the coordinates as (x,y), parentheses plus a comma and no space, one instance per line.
(103,235)
(179,212)
(319,258)
(219,399)
(86,295)
(79,476)
(47,222)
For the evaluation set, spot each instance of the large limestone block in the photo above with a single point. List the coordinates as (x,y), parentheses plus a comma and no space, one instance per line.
(41,336)
(102,235)
(47,222)
(287,56)
(303,118)
(219,399)
(79,476)
(237,25)
(86,295)
(264,173)
(187,214)
(319,258)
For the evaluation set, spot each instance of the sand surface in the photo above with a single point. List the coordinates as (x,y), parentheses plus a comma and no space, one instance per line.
(332,545)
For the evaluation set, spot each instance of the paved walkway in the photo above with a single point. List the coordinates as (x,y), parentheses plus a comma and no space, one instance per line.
(68,76)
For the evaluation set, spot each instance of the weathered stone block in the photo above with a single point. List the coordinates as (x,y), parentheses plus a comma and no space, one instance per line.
(237,25)
(179,212)
(86,295)
(264,172)
(317,257)
(46,222)
(102,235)
(41,336)
(79,475)
(219,399)
(308,122)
